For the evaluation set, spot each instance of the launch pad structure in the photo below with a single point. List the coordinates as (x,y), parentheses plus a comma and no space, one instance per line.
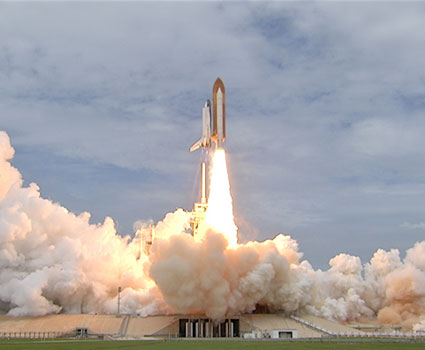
(245,326)
(200,208)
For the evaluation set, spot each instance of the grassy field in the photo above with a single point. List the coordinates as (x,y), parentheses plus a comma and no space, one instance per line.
(204,345)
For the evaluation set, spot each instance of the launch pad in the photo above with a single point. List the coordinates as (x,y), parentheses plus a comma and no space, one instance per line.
(245,326)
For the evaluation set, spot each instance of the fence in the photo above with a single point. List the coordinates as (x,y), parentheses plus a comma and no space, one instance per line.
(395,334)
(32,335)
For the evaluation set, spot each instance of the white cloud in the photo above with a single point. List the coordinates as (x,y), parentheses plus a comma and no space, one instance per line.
(409,225)
(381,137)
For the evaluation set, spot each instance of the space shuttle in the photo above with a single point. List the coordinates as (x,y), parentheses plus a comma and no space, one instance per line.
(213,130)
(213,124)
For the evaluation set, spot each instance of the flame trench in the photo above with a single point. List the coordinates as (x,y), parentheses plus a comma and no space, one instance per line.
(219,215)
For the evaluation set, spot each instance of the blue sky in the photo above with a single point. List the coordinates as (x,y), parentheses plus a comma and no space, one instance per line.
(325,113)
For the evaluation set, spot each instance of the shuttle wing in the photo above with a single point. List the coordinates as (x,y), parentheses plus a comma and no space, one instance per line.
(196,145)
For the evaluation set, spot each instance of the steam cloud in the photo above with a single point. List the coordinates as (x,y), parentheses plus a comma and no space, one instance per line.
(54,261)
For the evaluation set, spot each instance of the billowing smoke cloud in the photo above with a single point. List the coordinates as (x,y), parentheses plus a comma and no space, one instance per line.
(54,261)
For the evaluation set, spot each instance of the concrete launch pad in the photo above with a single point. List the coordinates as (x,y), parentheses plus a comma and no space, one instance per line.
(246,326)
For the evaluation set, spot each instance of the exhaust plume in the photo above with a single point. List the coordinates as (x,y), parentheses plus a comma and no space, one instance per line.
(52,261)
(219,215)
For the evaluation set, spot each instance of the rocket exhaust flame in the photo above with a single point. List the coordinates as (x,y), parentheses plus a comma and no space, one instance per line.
(219,214)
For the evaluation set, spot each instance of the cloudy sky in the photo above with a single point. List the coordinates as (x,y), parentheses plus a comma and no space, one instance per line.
(325,113)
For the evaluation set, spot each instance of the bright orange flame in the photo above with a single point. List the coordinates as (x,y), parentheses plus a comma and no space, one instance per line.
(219,214)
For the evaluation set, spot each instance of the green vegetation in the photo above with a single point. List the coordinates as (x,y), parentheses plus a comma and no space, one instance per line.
(203,345)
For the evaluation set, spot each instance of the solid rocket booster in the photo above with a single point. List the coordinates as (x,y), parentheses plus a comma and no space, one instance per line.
(213,129)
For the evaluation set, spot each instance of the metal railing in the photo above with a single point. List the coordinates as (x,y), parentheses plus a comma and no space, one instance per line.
(394,334)
(33,335)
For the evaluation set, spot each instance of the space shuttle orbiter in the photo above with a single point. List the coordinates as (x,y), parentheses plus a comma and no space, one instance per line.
(205,140)
(213,129)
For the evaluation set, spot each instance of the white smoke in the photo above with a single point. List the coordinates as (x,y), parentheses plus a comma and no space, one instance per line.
(54,261)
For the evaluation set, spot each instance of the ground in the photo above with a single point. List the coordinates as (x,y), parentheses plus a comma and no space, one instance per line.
(205,345)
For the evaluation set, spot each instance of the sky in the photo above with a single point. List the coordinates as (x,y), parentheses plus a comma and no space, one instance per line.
(325,113)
